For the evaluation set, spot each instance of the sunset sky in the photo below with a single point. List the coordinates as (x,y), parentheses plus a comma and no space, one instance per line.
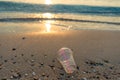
(80,2)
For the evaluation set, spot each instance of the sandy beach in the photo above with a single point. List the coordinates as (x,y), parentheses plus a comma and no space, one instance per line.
(32,56)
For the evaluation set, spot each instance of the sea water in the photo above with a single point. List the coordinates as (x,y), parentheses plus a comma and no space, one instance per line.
(26,17)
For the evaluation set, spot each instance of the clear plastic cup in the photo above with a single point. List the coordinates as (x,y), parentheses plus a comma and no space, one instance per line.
(65,57)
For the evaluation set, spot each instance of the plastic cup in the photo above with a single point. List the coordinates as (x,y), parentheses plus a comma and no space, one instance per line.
(65,57)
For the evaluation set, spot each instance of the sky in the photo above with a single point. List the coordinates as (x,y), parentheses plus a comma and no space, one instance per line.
(79,2)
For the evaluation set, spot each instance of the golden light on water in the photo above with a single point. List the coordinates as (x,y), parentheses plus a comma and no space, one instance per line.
(48,22)
(48,26)
(48,15)
(48,2)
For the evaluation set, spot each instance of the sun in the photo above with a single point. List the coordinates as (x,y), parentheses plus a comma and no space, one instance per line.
(48,2)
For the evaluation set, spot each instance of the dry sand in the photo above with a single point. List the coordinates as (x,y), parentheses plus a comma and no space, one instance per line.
(33,56)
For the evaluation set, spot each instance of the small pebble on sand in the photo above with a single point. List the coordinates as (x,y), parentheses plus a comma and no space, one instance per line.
(33,73)
(43,74)
(5,60)
(23,38)
(22,54)
(32,55)
(13,49)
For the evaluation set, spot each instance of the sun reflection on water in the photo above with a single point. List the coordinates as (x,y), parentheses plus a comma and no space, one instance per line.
(48,26)
(47,15)
(48,22)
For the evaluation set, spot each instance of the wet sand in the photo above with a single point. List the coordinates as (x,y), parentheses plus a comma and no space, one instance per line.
(33,56)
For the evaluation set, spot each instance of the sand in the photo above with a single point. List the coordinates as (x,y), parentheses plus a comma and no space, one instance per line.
(32,56)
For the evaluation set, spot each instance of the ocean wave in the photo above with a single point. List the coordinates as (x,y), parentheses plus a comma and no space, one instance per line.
(58,8)
(55,19)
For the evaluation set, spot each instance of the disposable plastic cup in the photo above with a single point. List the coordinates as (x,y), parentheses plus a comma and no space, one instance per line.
(65,57)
